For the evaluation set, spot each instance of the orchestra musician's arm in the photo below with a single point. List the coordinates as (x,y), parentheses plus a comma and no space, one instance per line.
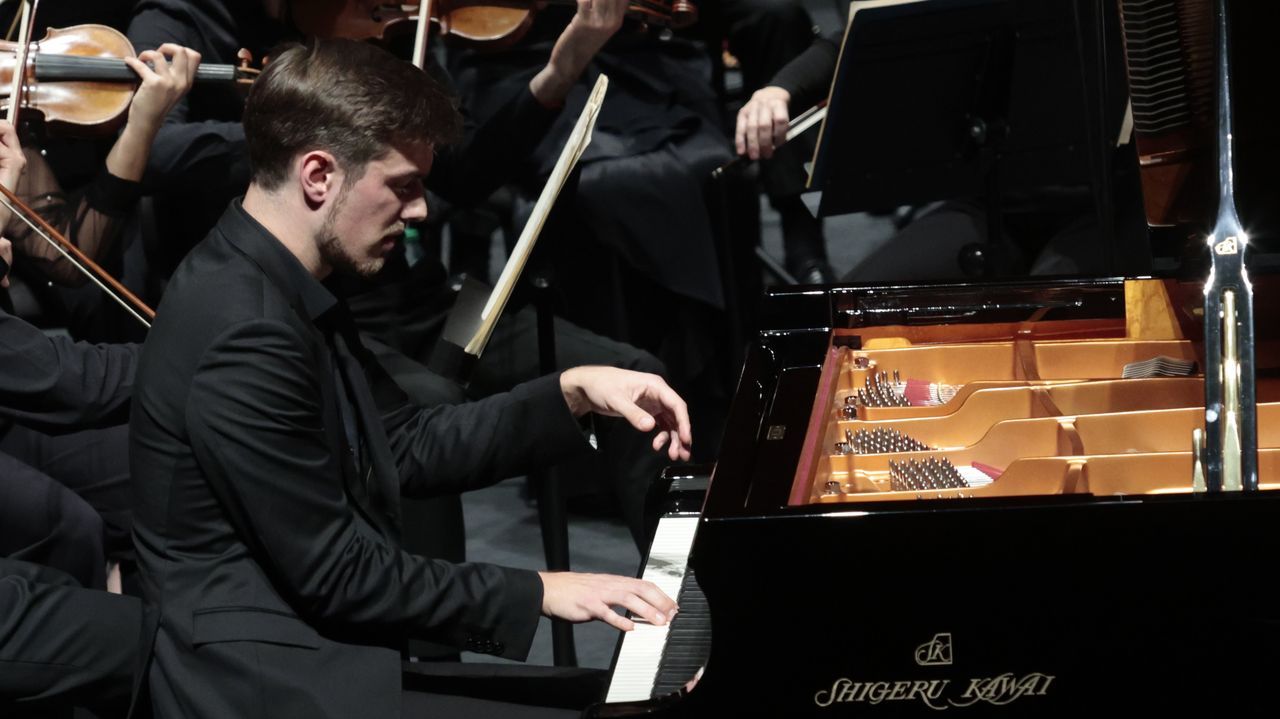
(490,153)
(194,144)
(484,160)
(53,382)
(802,83)
(591,27)
(92,219)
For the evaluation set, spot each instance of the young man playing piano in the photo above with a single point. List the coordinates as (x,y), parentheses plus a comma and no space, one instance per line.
(269,472)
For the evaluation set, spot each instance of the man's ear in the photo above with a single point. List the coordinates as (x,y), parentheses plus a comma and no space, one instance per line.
(319,176)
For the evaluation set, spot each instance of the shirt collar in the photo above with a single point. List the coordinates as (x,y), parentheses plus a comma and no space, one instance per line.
(279,263)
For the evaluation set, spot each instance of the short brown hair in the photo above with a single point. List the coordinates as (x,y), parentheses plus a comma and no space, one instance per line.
(350,98)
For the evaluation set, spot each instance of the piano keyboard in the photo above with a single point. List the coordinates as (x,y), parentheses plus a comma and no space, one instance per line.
(641,657)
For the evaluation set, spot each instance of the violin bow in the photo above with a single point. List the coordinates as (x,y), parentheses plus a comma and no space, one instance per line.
(796,127)
(95,273)
(20,66)
(420,36)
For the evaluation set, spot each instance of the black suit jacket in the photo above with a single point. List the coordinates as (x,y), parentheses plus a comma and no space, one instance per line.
(267,542)
(55,384)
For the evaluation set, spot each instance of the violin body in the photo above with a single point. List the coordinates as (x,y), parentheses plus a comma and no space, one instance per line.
(90,106)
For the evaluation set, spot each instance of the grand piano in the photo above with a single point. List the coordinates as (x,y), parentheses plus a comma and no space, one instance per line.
(984,499)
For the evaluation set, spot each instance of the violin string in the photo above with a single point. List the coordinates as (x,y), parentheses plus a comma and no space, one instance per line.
(35,227)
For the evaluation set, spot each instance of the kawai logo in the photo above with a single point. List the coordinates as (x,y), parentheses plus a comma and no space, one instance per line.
(939,694)
(935,652)
(1229,246)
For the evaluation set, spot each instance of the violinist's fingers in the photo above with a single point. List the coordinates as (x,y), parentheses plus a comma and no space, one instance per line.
(8,135)
(146,63)
(764,130)
(183,61)
(740,132)
(12,162)
(753,136)
(781,122)
(6,259)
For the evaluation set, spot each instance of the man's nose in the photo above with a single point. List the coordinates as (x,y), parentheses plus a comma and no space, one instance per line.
(415,211)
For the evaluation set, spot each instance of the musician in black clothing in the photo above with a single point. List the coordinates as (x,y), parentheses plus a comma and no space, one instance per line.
(64,485)
(64,489)
(764,36)
(200,163)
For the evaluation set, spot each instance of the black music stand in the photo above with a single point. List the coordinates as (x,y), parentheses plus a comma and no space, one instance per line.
(989,99)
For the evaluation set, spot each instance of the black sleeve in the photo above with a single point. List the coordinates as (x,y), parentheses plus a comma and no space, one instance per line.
(808,77)
(488,155)
(187,152)
(56,383)
(112,196)
(454,448)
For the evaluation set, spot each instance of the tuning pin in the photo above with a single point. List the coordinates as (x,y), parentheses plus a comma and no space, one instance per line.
(850,408)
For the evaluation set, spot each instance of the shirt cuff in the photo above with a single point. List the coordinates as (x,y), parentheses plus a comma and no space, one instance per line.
(111,195)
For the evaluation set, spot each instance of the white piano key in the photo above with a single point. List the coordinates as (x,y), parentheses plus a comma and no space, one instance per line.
(637,665)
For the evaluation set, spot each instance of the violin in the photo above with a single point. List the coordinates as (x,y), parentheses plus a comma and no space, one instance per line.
(76,77)
(491,23)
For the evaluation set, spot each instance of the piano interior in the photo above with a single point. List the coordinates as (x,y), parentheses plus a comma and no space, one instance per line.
(996,410)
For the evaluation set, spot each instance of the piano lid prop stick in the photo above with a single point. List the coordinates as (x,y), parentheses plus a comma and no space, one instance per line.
(798,125)
(573,149)
(1230,455)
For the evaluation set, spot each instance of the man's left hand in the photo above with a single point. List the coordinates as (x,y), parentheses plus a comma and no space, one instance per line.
(644,400)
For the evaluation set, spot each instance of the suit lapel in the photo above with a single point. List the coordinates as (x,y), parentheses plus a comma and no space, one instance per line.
(377,471)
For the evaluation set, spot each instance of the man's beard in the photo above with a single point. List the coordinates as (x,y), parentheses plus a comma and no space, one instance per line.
(330,245)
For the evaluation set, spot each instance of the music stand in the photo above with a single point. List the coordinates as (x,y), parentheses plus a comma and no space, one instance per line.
(935,100)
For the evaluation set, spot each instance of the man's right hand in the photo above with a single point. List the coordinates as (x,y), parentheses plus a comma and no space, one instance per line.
(762,123)
(578,597)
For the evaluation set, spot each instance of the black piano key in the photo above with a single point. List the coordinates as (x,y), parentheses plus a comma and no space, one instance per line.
(688,642)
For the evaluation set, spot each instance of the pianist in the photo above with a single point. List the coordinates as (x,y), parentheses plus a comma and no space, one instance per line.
(269,451)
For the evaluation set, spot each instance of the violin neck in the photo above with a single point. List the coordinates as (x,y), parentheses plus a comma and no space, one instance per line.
(73,68)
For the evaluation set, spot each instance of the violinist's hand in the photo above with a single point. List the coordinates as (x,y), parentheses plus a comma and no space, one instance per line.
(170,74)
(578,597)
(172,70)
(645,400)
(12,162)
(762,123)
(6,261)
(591,27)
